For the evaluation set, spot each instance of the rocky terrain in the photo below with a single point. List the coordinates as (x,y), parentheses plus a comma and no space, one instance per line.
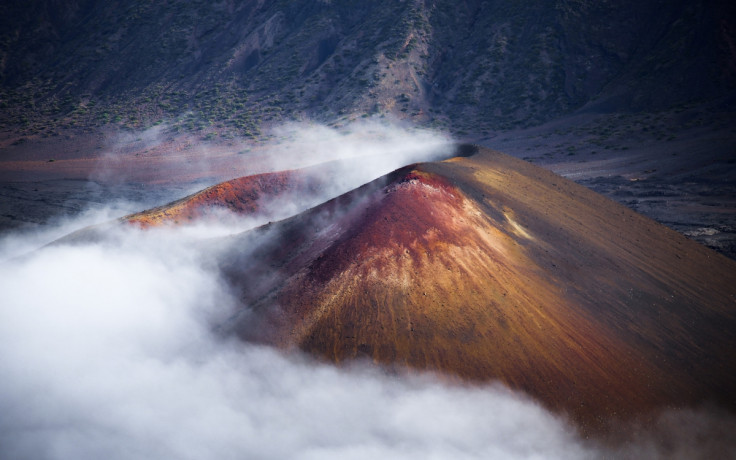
(226,68)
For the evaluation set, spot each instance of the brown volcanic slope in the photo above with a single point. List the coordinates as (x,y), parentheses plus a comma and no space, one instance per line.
(259,195)
(244,196)
(488,267)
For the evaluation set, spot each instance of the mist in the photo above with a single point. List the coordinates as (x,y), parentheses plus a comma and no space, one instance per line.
(344,158)
(108,350)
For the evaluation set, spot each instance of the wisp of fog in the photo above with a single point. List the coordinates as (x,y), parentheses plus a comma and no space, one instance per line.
(107,351)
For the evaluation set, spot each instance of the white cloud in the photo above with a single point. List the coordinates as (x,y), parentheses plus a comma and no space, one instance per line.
(106,350)
(388,146)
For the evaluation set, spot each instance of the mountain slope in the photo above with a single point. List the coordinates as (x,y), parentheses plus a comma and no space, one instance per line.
(245,196)
(240,64)
(490,268)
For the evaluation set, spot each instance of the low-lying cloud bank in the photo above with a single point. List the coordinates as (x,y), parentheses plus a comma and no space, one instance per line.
(107,351)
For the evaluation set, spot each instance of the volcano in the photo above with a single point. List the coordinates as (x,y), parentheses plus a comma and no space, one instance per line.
(486,267)
(481,267)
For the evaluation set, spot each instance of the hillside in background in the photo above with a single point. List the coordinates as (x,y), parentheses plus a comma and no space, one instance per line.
(227,68)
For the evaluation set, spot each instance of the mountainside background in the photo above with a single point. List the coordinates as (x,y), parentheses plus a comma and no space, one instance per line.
(470,65)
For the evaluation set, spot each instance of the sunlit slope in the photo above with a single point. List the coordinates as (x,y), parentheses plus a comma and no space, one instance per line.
(488,267)
(242,196)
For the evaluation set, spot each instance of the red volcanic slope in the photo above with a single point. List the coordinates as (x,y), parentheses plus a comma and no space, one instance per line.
(245,195)
(260,194)
(488,267)
(265,193)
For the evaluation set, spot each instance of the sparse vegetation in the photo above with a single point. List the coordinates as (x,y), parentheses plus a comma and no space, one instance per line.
(200,66)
